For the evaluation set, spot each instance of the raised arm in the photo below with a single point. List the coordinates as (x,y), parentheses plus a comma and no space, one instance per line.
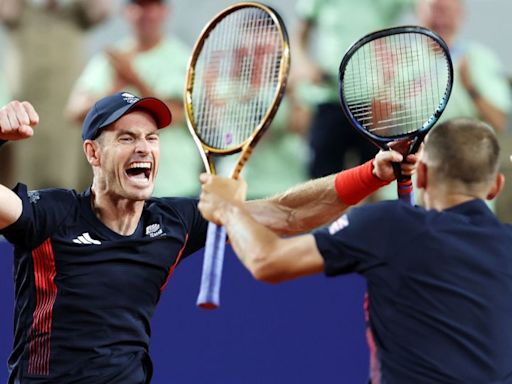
(268,257)
(17,120)
(487,111)
(320,201)
(253,227)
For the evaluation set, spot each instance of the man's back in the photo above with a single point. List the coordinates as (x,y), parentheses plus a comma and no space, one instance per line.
(439,289)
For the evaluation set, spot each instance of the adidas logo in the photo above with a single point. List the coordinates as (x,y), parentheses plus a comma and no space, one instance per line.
(86,239)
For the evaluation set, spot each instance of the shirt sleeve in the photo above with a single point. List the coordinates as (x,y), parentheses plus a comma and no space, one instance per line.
(489,77)
(42,213)
(195,224)
(96,78)
(170,63)
(356,242)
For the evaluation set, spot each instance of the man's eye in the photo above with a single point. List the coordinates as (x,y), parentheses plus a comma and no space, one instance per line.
(126,139)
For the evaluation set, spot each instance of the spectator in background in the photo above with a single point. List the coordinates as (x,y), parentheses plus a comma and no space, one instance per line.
(338,23)
(46,55)
(147,63)
(480,87)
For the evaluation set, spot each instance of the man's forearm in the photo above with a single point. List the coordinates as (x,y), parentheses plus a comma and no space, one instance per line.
(318,202)
(489,113)
(301,208)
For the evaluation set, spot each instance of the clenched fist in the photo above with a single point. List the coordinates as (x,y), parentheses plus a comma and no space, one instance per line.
(17,120)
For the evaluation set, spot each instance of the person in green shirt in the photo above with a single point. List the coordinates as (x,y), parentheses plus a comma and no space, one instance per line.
(480,86)
(45,54)
(148,63)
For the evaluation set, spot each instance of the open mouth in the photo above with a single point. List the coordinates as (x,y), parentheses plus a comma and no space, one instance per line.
(140,171)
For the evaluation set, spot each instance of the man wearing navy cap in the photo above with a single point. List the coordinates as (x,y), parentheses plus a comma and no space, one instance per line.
(89,267)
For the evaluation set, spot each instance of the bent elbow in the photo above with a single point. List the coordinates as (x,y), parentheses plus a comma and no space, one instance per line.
(263,268)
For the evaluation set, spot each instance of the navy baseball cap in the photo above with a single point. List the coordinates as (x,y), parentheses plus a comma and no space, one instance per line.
(111,108)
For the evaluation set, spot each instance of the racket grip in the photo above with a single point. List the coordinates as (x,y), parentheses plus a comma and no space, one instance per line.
(209,291)
(405,190)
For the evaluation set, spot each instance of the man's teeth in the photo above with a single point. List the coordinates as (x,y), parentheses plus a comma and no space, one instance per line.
(140,165)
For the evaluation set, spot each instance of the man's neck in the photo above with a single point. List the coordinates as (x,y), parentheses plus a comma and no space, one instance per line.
(442,199)
(121,215)
(144,45)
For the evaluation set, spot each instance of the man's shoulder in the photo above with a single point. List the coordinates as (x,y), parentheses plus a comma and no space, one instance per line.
(387,207)
(171,204)
(59,196)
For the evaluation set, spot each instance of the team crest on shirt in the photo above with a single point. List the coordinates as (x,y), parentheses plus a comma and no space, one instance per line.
(33,196)
(154,230)
(338,225)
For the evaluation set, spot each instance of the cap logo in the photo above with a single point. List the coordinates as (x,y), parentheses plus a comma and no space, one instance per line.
(129,98)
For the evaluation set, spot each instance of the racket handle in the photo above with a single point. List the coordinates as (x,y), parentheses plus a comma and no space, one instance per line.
(405,190)
(404,185)
(209,291)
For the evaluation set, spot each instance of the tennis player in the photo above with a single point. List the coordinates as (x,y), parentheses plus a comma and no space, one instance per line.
(89,267)
(439,301)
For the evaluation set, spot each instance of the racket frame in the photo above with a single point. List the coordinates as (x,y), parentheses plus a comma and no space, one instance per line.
(380,141)
(206,151)
(214,251)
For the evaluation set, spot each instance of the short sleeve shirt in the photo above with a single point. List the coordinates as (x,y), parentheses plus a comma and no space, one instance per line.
(439,289)
(85,294)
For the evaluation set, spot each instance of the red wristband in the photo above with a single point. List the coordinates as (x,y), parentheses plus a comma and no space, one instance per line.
(354,184)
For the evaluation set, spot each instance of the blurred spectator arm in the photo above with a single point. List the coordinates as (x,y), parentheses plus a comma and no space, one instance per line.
(486,109)
(305,67)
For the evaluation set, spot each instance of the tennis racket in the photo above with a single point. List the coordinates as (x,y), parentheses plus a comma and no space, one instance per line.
(236,78)
(394,86)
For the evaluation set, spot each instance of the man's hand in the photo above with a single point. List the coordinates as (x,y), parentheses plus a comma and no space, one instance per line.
(123,68)
(17,120)
(218,195)
(383,164)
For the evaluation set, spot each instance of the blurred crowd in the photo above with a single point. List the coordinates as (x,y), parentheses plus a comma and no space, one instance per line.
(46,63)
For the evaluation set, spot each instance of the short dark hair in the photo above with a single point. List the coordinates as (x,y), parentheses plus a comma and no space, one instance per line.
(464,150)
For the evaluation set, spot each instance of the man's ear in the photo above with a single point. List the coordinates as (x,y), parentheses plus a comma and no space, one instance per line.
(421,175)
(92,152)
(497,186)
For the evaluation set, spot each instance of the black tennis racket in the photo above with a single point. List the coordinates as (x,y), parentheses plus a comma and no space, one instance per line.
(394,86)
(236,78)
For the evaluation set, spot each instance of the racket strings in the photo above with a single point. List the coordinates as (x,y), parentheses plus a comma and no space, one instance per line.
(393,85)
(237,77)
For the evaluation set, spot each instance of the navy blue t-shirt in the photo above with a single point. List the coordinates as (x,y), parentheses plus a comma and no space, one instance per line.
(84,293)
(439,290)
